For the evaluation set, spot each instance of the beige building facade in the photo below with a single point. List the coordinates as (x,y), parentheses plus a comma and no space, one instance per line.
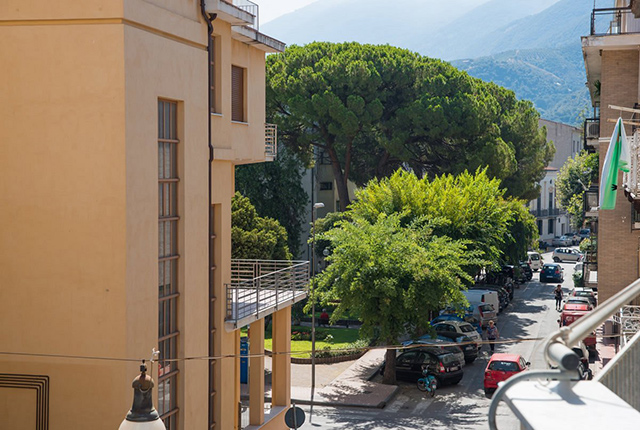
(116,232)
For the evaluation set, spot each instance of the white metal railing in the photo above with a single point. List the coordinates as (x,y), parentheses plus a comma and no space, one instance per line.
(271,140)
(558,352)
(628,320)
(619,375)
(260,285)
(249,7)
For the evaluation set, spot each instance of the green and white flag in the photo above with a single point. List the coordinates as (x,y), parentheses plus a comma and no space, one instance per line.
(618,158)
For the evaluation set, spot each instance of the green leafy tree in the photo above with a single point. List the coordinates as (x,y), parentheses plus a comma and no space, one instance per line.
(374,109)
(391,275)
(275,190)
(409,245)
(574,178)
(254,237)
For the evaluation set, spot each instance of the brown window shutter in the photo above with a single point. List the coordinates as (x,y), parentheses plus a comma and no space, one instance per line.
(237,94)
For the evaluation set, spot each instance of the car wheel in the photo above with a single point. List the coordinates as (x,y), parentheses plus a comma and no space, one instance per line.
(488,392)
(556,259)
(455,381)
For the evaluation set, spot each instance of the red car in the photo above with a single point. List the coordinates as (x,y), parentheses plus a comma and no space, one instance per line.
(500,368)
(569,316)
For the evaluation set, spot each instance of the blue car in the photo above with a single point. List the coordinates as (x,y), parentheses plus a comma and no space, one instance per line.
(468,317)
(552,272)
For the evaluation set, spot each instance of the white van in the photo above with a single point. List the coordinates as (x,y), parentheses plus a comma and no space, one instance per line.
(478,297)
(535,260)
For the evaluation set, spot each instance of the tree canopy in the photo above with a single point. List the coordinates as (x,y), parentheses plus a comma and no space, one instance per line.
(408,246)
(254,237)
(574,178)
(372,109)
(275,189)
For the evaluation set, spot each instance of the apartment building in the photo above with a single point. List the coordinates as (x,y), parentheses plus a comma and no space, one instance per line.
(121,124)
(552,221)
(612,65)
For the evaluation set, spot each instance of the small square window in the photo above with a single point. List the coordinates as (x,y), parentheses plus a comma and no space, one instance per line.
(326,186)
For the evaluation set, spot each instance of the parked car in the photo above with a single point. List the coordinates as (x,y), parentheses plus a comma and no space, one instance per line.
(444,365)
(535,260)
(570,314)
(585,233)
(503,295)
(578,301)
(552,272)
(437,346)
(500,368)
(468,346)
(482,311)
(577,305)
(585,293)
(459,327)
(452,316)
(476,297)
(563,240)
(527,272)
(582,352)
(575,238)
(567,254)
(578,267)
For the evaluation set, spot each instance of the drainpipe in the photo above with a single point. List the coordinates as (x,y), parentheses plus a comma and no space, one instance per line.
(209,20)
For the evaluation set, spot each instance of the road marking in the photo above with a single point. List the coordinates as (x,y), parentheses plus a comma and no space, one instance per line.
(423,405)
(397,403)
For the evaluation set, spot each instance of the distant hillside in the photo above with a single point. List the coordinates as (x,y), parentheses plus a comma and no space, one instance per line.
(457,41)
(556,26)
(401,23)
(552,78)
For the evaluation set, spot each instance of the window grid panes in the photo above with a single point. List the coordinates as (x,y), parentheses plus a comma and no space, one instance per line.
(212,74)
(167,263)
(212,329)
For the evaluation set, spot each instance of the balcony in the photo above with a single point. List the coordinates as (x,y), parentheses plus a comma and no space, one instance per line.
(260,287)
(543,399)
(270,142)
(591,133)
(631,180)
(235,12)
(613,21)
(612,29)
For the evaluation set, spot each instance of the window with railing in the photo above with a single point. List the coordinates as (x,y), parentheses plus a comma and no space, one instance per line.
(168,291)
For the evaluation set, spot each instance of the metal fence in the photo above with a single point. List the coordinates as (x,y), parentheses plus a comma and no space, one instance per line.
(249,7)
(620,374)
(259,285)
(271,140)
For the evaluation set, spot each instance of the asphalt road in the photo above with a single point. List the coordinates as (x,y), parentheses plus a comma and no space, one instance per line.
(530,315)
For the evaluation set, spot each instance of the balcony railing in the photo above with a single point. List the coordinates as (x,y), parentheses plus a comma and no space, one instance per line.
(613,397)
(612,21)
(270,141)
(260,287)
(249,7)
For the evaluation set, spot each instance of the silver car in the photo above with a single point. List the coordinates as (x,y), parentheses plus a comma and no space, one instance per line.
(567,254)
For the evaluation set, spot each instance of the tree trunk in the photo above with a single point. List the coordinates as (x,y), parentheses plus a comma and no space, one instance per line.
(389,376)
(341,182)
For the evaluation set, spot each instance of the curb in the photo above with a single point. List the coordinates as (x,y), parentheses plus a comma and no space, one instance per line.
(323,360)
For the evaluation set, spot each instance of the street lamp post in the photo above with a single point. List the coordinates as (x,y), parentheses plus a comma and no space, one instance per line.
(313,303)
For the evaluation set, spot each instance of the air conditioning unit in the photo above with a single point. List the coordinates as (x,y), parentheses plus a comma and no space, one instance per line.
(593,130)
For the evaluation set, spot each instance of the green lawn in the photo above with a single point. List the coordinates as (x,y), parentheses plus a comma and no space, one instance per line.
(342,337)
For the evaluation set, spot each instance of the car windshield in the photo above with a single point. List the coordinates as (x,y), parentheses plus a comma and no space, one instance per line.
(505,366)
(466,328)
(535,257)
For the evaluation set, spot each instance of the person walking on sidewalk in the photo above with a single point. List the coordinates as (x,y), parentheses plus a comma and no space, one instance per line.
(558,294)
(492,334)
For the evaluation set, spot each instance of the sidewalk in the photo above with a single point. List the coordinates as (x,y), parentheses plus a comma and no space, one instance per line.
(606,348)
(339,384)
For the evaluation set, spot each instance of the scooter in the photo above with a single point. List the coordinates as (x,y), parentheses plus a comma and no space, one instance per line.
(428,383)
